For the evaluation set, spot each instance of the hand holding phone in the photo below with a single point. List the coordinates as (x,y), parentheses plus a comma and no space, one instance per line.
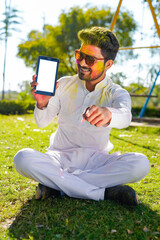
(47,69)
(45,81)
(42,100)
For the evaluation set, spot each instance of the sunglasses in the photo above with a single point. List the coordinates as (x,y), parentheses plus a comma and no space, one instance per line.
(89,60)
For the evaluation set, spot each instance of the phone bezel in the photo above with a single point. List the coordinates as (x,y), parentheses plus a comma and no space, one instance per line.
(52,93)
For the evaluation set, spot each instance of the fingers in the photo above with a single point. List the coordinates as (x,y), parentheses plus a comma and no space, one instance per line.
(97,120)
(33,83)
(97,116)
(34,77)
(90,113)
(94,115)
(33,90)
(57,84)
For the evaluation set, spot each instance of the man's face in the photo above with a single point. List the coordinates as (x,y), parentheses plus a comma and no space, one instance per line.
(95,72)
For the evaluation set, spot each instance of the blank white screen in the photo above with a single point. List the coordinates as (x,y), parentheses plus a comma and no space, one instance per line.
(46,75)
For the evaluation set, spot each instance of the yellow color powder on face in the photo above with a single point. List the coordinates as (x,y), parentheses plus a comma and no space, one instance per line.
(98,69)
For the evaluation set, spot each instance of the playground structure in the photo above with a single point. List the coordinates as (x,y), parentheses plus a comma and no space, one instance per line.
(130,48)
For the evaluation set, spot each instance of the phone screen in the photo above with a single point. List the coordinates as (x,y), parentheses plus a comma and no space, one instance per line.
(46,75)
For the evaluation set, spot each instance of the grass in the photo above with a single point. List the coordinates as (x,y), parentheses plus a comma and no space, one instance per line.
(21,217)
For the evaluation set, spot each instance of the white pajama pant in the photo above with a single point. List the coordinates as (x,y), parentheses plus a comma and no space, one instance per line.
(81,173)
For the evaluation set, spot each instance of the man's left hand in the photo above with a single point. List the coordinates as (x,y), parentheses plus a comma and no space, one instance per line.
(97,116)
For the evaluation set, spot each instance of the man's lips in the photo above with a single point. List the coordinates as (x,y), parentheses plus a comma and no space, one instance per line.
(83,69)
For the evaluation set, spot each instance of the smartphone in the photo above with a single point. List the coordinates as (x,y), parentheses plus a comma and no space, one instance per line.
(47,69)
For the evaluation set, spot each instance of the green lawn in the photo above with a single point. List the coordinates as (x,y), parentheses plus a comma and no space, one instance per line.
(21,217)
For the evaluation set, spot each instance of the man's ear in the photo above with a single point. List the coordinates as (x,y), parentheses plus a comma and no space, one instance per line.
(108,64)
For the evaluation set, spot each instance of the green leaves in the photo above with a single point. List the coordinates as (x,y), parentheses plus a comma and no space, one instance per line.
(11,18)
(60,41)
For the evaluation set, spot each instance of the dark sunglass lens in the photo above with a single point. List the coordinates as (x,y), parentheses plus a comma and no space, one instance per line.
(82,56)
(89,60)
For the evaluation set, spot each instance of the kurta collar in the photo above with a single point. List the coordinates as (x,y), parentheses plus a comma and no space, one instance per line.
(99,85)
(103,83)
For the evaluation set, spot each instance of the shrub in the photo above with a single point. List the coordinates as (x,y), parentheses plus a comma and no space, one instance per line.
(21,107)
(16,107)
(150,112)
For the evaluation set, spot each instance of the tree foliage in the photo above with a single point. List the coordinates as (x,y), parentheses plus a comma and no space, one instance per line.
(60,41)
(25,91)
(11,19)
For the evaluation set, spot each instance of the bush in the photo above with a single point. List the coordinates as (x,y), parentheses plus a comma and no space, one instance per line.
(150,112)
(16,107)
(21,107)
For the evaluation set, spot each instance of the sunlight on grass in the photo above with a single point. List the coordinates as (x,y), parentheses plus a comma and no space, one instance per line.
(22,217)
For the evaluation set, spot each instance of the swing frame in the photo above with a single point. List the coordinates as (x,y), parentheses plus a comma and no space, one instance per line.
(114,19)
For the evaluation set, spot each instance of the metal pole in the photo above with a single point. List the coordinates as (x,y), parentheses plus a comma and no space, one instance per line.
(147,100)
(129,48)
(114,19)
(154,17)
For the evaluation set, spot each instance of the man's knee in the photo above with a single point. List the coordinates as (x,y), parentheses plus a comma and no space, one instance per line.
(142,167)
(21,158)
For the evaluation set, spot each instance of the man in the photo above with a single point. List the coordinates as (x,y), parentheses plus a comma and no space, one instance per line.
(77,162)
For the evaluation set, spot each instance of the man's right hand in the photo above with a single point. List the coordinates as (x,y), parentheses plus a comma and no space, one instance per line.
(42,100)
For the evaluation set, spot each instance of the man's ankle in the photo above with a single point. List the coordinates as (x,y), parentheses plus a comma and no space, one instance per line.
(43,192)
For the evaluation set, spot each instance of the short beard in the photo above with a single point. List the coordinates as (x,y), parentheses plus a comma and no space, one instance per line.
(81,75)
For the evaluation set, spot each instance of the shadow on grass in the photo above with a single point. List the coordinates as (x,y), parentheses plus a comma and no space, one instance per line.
(66,218)
(154,149)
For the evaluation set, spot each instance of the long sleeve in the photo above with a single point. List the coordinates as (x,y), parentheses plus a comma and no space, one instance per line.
(70,101)
(121,109)
(44,117)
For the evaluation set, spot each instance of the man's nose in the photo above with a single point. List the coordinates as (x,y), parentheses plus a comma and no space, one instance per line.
(83,62)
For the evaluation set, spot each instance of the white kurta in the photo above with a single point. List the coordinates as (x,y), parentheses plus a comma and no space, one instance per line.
(71,100)
(77,161)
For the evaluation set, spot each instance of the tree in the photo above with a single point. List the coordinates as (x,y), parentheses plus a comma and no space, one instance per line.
(10,19)
(157,93)
(25,93)
(118,78)
(60,41)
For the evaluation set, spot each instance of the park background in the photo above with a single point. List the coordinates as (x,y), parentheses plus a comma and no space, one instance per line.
(50,28)
(32,22)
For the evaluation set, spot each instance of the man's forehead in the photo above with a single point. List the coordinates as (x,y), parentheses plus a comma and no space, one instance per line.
(91,50)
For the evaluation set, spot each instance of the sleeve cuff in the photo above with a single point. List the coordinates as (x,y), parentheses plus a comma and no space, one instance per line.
(38,109)
(121,118)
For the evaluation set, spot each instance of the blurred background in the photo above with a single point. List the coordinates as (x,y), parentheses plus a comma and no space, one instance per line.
(32,28)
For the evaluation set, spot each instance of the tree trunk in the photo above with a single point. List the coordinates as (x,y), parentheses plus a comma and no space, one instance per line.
(4,69)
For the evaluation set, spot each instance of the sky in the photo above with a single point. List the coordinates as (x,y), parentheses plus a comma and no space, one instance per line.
(37,12)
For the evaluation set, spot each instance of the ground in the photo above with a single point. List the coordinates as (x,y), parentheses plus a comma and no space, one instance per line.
(22,217)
